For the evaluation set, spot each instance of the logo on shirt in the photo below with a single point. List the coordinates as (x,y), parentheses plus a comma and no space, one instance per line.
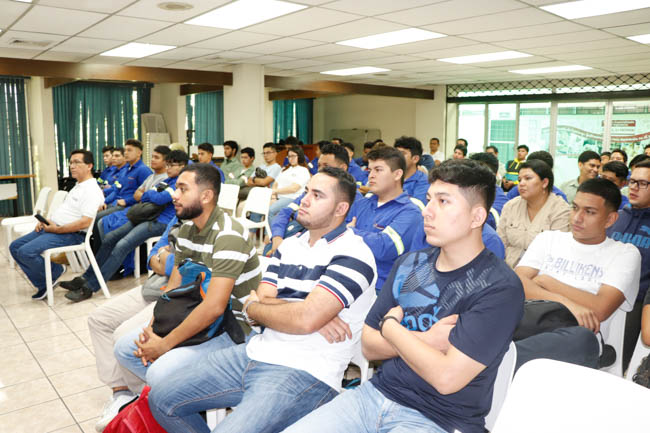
(561,266)
(637,240)
(419,303)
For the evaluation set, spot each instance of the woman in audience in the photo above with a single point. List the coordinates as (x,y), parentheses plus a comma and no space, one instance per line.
(291,181)
(535,210)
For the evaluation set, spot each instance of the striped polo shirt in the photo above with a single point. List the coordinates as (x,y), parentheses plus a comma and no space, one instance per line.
(223,247)
(343,265)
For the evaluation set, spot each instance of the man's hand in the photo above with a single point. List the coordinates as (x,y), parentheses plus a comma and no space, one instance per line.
(51,228)
(39,226)
(103,207)
(352,223)
(438,335)
(335,331)
(121,202)
(137,195)
(150,346)
(275,244)
(583,315)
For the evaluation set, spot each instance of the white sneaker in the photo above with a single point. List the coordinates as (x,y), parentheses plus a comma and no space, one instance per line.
(110,410)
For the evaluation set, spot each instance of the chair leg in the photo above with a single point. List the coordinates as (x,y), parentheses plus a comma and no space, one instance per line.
(8,234)
(48,279)
(98,272)
(72,259)
(136,259)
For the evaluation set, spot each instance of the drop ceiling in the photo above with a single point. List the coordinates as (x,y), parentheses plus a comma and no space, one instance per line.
(302,44)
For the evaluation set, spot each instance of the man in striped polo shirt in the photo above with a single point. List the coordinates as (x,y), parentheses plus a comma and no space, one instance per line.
(312,301)
(214,239)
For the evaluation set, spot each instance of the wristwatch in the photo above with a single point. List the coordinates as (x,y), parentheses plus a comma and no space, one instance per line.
(383,320)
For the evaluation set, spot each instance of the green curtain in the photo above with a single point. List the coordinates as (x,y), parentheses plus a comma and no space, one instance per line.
(92,115)
(304,119)
(14,144)
(208,118)
(290,112)
(282,120)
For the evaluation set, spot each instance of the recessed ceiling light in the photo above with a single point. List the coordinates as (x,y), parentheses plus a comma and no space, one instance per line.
(174,6)
(592,8)
(644,39)
(137,50)
(553,69)
(355,71)
(244,13)
(489,57)
(391,38)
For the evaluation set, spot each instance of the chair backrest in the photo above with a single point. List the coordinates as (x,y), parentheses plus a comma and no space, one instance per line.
(502,384)
(89,231)
(228,197)
(57,200)
(553,396)
(615,339)
(41,201)
(258,201)
(640,352)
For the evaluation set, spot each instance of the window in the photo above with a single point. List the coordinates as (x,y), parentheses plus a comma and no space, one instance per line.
(630,127)
(471,126)
(534,125)
(502,129)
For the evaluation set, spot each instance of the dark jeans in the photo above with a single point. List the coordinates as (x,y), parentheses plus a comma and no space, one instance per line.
(576,345)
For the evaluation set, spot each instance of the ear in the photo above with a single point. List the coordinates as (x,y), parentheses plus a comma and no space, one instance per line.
(207,196)
(341,209)
(611,219)
(479,215)
(398,174)
(545,183)
(416,159)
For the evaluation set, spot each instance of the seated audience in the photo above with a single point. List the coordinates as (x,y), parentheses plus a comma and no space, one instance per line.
(310,329)
(460,151)
(290,182)
(491,162)
(119,167)
(247,158)
(270,168)
(619,155)
(534,211)
(512,168)
(633,227)
(362,161)
(441,324)
(120,195)
(117,244)
(437,155)
(462,142)
(231,166)
(67,226)
(604,158)
(589,166)
(206,151)
(387,220)
(501,172)
(416,182)
(617,172)
(542,155)
(109,169)
(584,270)
(313,164)
(359,175)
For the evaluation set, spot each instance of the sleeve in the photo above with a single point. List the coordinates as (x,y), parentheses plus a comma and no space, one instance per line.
(162,242)
(385,300)
(493,243)
(392,241)
(624,272)
(274,172)
(347,278)
(560,217)
(534,255)
(273,269)
(230,253)
(514,192)
(159,198)
(420,191)
(112,195)
(141,175)
(91,204)
(281,219)
(503,223)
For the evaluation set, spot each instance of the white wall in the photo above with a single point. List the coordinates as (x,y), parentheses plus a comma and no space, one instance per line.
(41,132)
(167,100)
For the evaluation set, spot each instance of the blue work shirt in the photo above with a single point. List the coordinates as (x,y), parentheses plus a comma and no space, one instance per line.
(114,177)
(500,200)
(129,181)
(163,242)
(359,175)
(416,187)
(163,198)
(491,240)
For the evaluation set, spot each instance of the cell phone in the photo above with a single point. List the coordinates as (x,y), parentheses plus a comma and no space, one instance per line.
(42,219)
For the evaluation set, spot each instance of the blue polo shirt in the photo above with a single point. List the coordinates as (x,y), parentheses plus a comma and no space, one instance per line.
(491,240)
(500,200)
(417,186)
(113,177)
(129,181)
(357,173)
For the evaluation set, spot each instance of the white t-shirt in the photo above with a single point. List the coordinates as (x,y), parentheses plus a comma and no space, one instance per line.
(438,156)
(83,200)
(340,263)
(587,267)
(297,174)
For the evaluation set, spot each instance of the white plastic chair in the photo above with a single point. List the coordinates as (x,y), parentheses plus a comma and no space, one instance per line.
(228,197)
(85,247)
(553,396)
(258,201)
(615,339)
(502,384)
(360,361)
(136,255)
(640,352)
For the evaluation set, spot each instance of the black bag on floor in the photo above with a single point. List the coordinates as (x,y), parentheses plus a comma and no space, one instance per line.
(543,316)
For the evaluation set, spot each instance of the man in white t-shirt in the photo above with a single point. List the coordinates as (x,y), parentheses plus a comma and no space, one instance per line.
(589,273)
(312,301)
(66,227)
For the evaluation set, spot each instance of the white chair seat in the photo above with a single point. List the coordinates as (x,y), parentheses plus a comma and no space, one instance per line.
(136,255)
(228,197)
(502,384)
(259,202)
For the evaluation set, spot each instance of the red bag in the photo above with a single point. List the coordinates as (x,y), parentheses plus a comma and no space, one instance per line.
(135,418)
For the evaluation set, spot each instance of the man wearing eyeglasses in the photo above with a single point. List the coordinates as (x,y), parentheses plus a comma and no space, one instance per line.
(67,225)
(633,226)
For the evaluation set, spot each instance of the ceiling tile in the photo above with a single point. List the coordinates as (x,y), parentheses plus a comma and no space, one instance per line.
(620,19)
(295,64)
(526,32)
(282,72)
(281,45)
(468,50)
(355,29)
(634,30)
(234,40)
(108,60)
(561,39)
(10,12)
(325,67)
(392,61)
(584,46)
(18,53)
(376,7)
(107,7)
(303,21)
(220,67)
(44,38)
(182,34)
(450,10)
(55,20)
(184,53)
(422,47)
(229,56)
(264,60)
(321,50)
(358,56)
(151,63)
(149,9)
(637,51)
(129,28)
(189,64)
(86,45)
(60,56)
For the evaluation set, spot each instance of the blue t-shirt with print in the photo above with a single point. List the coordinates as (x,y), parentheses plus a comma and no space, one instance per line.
(489,299)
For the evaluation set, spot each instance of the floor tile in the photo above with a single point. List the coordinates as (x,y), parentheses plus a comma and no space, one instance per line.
(77,323)
(76,381)
(84,336)
(88,404)
(42,418)
(26,394)
(66,361)
(71,429)
(30,314)
(17,353)
(14,372)
(45,330)
(10,336)
(89,425)
(71,311)
(52,345)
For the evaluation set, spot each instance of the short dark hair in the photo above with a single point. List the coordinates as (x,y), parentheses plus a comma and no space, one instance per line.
(346,185)
(647,146)
(434,138)
(588,155)
(340,140)
(541,155)
(496,150)
(523,146)
(177,156)
(391,156)
(249,151)
(603,188)
(107,149)
(87,155)
(476,181)
(133,142)
(605,154)
(643,164)
(541,169)
(119,149)
(348,145)
(379,140)
(270,145)
(463,140)
(461,148)
(411,144)
(369,144)
(323,143)
(622,152)
(339,152)
(163,150)
(232,144)
(206,147)
(207,176)
(487,159)
(291,141)
(618,168)
(637,159)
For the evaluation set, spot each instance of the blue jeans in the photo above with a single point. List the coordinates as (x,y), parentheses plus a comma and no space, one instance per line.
(117,244)
(576,345)
(364,409)
(278,205)
(268,397)
(27,250)
(168,365)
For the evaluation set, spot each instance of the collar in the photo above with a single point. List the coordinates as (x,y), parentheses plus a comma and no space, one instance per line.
(137,164)
(329,237)
(214,216)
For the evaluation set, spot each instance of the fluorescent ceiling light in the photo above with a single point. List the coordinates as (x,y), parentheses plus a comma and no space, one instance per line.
(137,50)
(592,8)
(355,71)
(392,38)
(644,39)
(24,1)
(244,13)
(489,57)
(552,69)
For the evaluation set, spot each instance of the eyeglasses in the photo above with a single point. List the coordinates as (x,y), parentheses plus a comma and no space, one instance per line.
(641,184)
(174,165)
(292,156)
(268,153)
(71,163)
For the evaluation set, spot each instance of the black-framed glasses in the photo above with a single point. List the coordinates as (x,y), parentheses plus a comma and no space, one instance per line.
(641,184)
(74,162)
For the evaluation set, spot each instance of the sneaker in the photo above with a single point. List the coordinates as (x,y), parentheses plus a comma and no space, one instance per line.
(111,408)
(58,280)
(80,294)
(41,294)
(73,284)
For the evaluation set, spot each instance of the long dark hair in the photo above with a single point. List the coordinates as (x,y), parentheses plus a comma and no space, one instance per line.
(301,157)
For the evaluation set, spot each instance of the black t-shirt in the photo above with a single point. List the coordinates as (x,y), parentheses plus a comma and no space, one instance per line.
(487,295)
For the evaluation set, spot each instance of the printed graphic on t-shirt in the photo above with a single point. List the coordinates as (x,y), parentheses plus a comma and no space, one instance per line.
(559,266)
(638,240)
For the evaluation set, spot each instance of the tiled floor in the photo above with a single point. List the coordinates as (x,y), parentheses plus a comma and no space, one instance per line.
(48,379)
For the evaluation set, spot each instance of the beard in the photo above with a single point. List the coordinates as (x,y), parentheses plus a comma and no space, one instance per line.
(190,212)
